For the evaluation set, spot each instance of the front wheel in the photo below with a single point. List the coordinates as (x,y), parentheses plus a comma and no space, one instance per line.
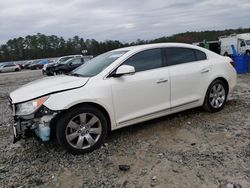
(60,72)
(81,130)
(216,96)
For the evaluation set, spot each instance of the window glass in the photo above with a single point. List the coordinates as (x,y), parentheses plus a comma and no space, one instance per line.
(86,59)
(10,65)
(176,55)
(242,44)
(146,60)
(98,64)
(200,55)
(64,59)
(76,61)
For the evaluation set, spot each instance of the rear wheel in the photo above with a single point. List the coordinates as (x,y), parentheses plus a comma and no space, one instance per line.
(216,96)
(16,70)
(248,52)
(81,130)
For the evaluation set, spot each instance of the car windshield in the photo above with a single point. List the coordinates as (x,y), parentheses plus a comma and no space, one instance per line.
(248,42)
(68,61)
(62,60)
(98,64)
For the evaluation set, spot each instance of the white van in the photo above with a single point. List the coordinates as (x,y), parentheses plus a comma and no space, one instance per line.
(240,41)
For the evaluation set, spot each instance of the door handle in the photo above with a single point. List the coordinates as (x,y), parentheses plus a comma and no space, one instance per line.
(205,70)
(162,80)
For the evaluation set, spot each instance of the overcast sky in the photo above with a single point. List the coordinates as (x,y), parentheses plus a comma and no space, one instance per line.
(125,20)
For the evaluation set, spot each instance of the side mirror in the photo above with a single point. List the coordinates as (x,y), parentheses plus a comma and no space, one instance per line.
(124,69)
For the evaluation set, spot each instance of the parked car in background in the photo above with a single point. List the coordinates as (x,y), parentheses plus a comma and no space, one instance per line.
(26,64)
(32,63)
(120,88)
(19,64)
(59,60)
(9,67)
(241,43)
(66,66)
(38,65)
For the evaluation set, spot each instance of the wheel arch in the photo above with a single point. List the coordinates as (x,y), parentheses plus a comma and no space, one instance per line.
(217,78)
(223,80)
(96,105)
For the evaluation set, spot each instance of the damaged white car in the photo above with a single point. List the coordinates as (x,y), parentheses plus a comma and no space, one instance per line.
(120,88)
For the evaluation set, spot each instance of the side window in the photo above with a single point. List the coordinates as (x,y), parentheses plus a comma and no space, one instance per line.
(10,65)
(200,55)
(176,55)
(86,59)
(146,60)
(242,44)
(76,61)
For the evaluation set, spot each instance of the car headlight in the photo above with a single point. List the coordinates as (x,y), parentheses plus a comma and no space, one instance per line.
(30,107)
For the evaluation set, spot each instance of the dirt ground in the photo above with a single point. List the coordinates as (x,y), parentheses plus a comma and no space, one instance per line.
(188,149)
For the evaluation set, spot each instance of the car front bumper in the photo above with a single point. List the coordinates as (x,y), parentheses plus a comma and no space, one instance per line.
(23,129)
(38,123)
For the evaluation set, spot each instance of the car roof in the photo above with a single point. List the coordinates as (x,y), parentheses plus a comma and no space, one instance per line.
(158,45)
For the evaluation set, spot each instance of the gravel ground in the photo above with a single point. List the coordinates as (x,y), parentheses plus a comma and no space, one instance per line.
(188,149)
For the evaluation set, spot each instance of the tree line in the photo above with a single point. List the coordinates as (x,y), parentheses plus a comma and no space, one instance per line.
(44,46)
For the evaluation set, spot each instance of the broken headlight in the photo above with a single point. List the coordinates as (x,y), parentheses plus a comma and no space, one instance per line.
(30,107)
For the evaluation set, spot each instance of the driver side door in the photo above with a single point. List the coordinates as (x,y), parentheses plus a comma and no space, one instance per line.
(146,93)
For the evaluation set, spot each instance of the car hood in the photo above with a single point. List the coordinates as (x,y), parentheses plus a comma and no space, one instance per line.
(51,65)
(46,86)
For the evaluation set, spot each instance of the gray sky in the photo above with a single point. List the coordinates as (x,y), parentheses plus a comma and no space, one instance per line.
(116,19)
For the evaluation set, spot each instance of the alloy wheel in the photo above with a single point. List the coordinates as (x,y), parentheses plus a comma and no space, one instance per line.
(217,96)
(83,131)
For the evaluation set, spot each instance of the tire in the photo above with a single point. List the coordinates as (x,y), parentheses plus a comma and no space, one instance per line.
(248,52)
(217,91)
(60,72)
(16,70)
(226,54)
(82,129)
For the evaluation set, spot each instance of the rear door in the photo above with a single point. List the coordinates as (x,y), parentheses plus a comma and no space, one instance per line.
(143,94)
(189,71)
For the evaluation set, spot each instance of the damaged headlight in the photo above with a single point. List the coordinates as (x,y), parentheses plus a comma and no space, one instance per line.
(30,107)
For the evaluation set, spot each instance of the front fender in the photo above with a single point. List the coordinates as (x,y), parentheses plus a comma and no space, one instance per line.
(67,99)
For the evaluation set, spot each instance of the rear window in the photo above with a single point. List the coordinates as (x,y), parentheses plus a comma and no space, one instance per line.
(176,56)
(179,55)
(200,55)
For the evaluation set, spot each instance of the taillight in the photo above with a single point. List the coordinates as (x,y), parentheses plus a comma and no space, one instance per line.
(232,63)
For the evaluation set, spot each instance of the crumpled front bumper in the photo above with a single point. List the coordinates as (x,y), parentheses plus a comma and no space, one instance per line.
(38,123)
(40,126)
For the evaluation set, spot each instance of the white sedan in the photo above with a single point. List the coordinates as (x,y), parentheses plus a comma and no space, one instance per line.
(120,88)
(9,67)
